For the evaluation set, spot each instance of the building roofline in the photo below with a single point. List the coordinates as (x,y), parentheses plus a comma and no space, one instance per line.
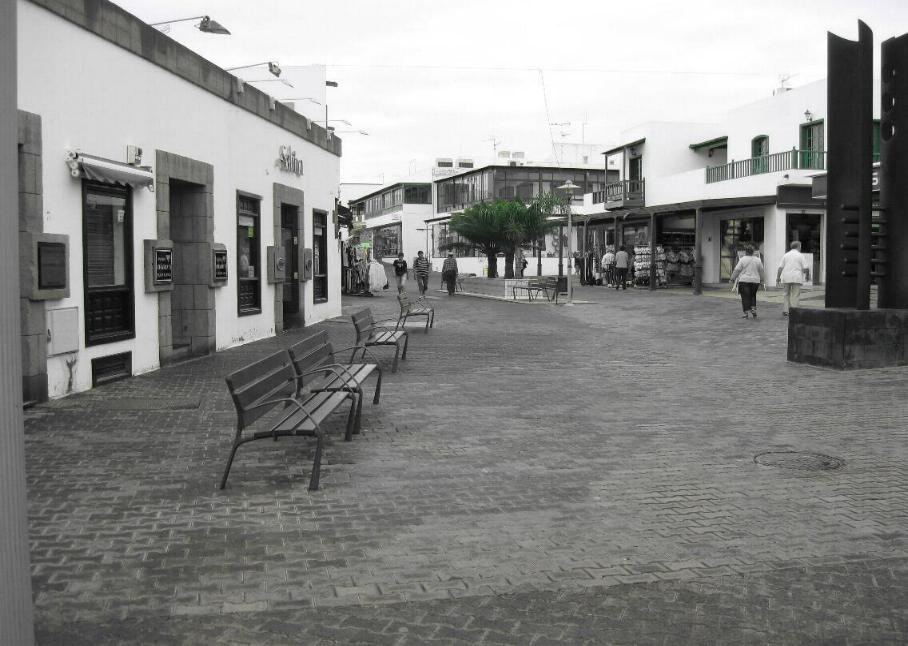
(386,187)
(119,27)
(716,142)
(467,171)
(623,146)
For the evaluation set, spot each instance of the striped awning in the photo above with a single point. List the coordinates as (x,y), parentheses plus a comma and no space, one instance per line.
(108,171)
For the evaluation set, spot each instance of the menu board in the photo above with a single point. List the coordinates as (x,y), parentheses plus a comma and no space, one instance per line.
(220,264)
(163,266)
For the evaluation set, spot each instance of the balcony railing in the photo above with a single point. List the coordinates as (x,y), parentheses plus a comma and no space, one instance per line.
(776,162)
(628,192)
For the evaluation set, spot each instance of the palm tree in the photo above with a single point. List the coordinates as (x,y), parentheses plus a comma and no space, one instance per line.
(539,219)
(484,227)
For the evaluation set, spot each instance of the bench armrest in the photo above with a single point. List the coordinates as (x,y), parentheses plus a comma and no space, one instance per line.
(286,400)
(364,350)
(335,368)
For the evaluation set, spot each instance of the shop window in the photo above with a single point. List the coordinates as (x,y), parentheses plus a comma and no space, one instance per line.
(319,256)
(248,245)
(107,264)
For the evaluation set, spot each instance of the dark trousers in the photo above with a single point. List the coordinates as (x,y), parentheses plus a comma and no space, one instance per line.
(450,278)
(621,277)
(748,292)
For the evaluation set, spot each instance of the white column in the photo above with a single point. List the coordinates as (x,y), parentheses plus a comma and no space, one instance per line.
(15,577)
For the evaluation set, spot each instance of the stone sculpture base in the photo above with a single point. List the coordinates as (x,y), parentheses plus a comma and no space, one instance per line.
(848,339)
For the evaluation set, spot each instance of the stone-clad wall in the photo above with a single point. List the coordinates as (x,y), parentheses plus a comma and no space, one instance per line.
(848,339)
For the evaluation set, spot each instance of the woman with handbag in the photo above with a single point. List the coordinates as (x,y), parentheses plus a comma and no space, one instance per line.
(746,279)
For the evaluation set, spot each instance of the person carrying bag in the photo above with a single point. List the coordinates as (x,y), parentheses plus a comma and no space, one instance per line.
(746,279)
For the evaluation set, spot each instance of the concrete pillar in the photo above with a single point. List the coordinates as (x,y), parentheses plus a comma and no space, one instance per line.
(15,577)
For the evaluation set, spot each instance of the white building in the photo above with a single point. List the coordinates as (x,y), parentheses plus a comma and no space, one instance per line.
(747,180)
(395,219)
(167,208)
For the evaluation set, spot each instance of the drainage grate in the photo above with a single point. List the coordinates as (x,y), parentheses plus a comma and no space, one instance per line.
(799,461)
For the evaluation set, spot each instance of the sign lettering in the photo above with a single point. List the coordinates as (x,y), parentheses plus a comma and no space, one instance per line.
(163,265)
(288,161)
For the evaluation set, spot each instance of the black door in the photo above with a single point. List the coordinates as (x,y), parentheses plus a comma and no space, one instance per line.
(290,244)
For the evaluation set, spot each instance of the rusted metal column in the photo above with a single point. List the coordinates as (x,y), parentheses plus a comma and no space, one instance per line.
(15,577)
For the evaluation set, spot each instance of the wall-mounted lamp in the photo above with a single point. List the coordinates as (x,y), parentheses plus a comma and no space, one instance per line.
(207,25)
(808,115)
(273,67)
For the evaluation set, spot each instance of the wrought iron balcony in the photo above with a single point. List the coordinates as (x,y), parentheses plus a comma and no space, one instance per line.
(776,162)
(622,194)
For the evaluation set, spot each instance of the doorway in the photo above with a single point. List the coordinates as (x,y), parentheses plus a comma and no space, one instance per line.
(290,301)
(734,235)
(191,301)
(805,227)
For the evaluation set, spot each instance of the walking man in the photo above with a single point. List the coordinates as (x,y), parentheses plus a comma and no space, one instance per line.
(793,271)
(622,263)
(449,272)
(608,266)
(400,272)
(421,268)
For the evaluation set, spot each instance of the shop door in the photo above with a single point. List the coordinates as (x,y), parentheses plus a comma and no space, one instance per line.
(805,227)
(734,235)
(291,286)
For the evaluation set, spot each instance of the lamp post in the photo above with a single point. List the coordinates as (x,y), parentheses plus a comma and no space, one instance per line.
(207,25)
(569,187)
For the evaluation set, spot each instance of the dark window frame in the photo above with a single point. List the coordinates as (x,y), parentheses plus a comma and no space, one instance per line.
(244,284)
(320,257)
(127,290)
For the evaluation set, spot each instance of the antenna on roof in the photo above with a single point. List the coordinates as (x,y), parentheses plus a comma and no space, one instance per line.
(783,88)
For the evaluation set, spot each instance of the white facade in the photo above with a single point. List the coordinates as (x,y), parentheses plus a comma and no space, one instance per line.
(97,98)
(674,163)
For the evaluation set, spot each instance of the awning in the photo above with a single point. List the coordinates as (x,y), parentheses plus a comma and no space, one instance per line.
(710,144)
(110,172)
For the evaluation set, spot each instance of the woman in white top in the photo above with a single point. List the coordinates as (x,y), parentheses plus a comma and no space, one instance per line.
(749,274)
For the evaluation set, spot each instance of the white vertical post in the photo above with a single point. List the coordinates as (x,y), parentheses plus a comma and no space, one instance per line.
(15,577)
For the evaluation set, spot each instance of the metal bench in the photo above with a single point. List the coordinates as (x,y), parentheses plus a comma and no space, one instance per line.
(270,386)
(419,308)
(318,369)
(540,285)
(369,333)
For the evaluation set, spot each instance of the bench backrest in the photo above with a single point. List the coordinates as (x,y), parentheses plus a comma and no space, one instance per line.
(269,378)
(362,322)
(310,353)
(404,299)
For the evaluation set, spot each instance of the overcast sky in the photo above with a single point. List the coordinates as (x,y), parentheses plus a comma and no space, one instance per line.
(428,79)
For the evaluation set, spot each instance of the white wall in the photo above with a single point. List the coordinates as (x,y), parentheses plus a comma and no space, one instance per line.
(97,98)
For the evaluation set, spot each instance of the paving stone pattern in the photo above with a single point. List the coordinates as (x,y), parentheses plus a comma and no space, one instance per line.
(533,474)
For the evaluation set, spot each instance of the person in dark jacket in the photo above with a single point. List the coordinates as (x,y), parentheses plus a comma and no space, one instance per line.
(449,272)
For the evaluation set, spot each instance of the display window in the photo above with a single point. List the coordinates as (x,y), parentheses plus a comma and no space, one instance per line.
(248,243)
(107,263)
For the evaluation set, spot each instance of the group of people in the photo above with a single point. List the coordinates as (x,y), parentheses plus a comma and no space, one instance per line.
(748,275)
(615,266)
(421,269)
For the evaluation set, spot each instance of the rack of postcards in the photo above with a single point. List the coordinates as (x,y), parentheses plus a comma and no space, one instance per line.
(679,256)
(643,260)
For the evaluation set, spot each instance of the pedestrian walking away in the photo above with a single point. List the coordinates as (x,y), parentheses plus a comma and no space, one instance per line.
(748,275)
(400,272)
(793,271)
(622,263)
(608,266)
(421,269)
(449,272)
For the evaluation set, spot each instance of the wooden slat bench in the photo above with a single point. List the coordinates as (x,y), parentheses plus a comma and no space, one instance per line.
(369,333)
(318,369)
(270,387)
(547,285)
(409,309)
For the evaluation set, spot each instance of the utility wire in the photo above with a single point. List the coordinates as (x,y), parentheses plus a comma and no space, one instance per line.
(548,118)
(493,68)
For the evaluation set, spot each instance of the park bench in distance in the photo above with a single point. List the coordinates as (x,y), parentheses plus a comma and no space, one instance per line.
(269,386)
(419,308)
(547,285)
(314,360)
(369,333)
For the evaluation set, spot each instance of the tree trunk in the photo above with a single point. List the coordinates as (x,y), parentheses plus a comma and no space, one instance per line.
(509,264)
(493,264)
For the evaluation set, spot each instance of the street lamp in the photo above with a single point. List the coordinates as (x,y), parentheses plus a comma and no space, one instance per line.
(569,187)
(273,67)
(207,25)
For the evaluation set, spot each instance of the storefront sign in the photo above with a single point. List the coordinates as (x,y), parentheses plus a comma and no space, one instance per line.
(220,264)
(288,161)
(163,266)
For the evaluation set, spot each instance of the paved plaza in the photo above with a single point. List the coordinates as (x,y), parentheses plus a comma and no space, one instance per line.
(642,469)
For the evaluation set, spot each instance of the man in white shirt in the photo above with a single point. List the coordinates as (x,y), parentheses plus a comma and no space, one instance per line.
(622,264)
(608,266)
(793,271)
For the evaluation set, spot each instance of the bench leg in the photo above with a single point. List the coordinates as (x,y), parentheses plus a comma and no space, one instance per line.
(396,352)
(406,345)
(428,320)
(432,324)
(317,460)
(377,395)
(358,426)
(351,417)
(237,443)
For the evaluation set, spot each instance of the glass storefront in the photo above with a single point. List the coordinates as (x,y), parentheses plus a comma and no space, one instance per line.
(386,241)
(734,235)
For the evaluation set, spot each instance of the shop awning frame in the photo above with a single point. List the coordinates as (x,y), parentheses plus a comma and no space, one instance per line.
(108,171)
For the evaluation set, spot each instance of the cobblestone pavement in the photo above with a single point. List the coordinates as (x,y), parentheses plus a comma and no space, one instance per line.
(643,469)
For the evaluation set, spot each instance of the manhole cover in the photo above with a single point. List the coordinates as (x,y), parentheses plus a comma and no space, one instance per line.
(799,461)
